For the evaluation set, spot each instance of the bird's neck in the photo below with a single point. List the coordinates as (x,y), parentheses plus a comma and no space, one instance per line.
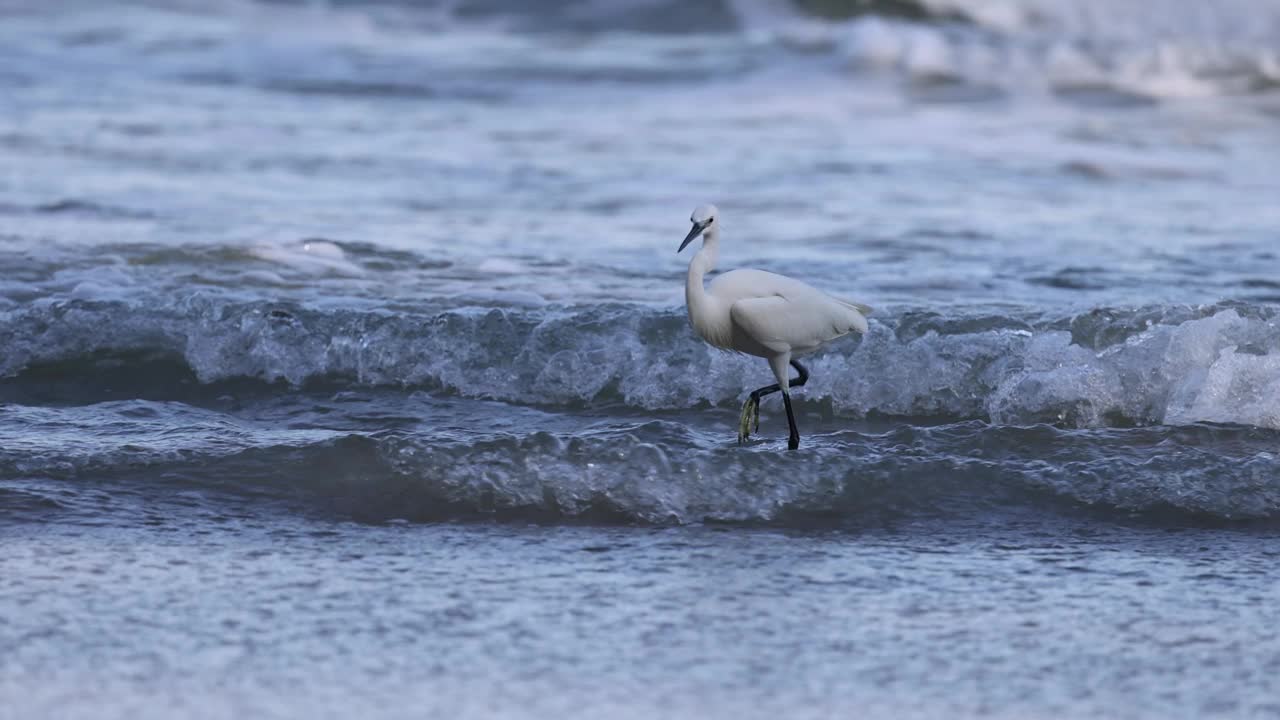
(705,259)
(695,295)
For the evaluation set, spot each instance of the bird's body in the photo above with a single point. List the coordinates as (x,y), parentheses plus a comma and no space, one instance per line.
(763,314)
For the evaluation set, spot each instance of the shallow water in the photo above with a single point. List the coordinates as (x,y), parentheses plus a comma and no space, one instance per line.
(283,284)
(209,612)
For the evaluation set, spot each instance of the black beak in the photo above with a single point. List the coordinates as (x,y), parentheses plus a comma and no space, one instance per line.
(693,233)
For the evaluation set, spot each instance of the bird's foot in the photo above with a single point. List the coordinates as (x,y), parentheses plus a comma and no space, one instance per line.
(793,442)
(750,409)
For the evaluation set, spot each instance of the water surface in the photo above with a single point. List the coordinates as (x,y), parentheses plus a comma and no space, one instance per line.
(344,366)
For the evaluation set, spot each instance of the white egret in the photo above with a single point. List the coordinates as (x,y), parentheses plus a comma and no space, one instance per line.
(763,314)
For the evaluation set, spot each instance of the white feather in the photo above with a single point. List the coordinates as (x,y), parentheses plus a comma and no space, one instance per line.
(762,313)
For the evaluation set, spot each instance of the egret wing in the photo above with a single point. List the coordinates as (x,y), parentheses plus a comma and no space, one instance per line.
(764,320)
(750,283)
(782,325)
(863,310)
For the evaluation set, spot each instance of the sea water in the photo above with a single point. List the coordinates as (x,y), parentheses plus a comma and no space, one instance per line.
(344,368)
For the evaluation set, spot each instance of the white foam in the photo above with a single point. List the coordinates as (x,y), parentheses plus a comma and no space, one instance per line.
(929,57)
(1220,367)
(1165,51)
(312,257)
(1235,388)
(873,43)
(501,266)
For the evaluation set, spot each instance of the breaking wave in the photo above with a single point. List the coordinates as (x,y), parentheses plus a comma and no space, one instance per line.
(1087,51)
(1173,365)
(1091,50)
(648,471)
(1095,50)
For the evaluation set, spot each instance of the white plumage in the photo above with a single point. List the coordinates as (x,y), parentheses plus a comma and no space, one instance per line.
(763,314)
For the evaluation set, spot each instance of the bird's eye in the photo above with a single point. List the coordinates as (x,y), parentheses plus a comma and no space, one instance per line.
(710,220)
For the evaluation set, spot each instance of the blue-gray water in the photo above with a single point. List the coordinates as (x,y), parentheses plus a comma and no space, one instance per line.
(344,368)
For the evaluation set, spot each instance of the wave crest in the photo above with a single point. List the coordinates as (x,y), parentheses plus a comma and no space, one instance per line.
(1175,365)
(655,471)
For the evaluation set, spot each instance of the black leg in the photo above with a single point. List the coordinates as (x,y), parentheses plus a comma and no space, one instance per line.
(799,381)
(802,378)
(793,442)
(752,406)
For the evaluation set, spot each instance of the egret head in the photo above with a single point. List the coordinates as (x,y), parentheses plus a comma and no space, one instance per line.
(704,217)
